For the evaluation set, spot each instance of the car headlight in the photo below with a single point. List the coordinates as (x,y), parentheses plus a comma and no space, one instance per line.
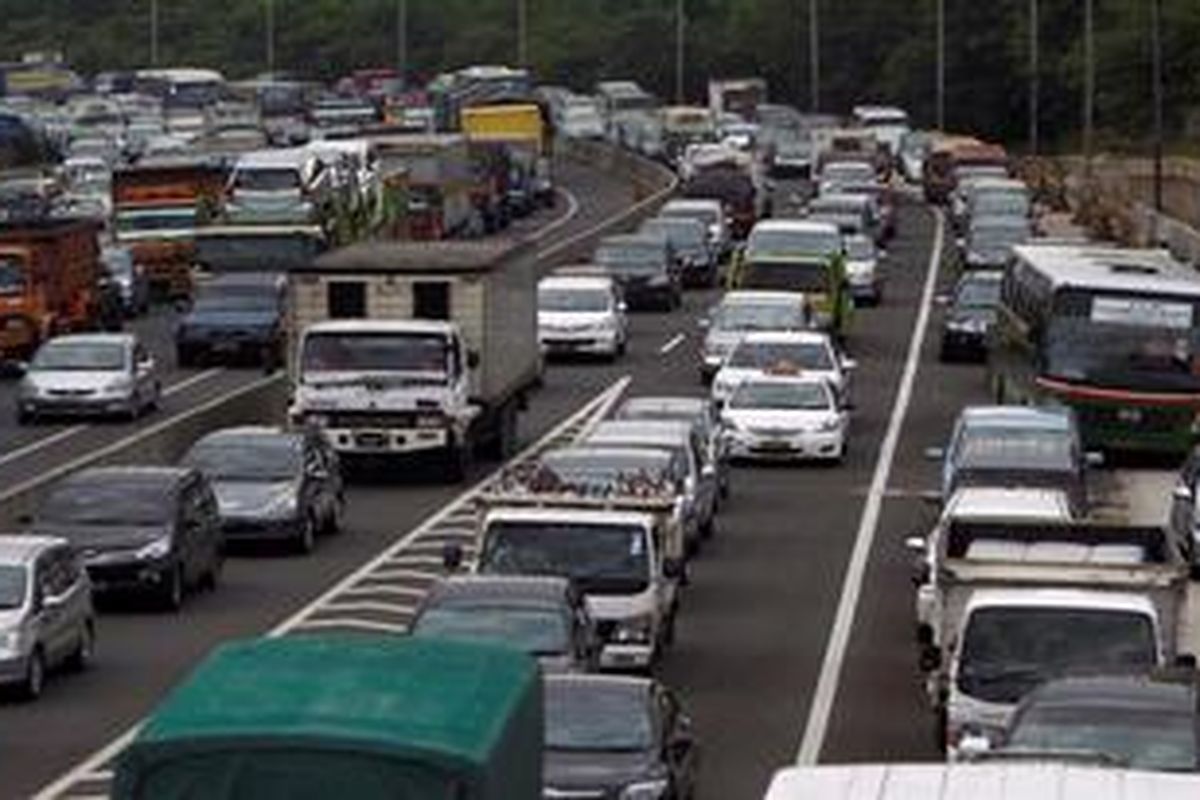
(645,790)
(829,425)
(121,386)
(10,641)
(658,280)
(159,548)
(282,506)
(635,630)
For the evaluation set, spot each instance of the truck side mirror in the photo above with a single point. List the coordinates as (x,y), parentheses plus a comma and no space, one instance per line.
(473,359)
(915,545)
(1183,493)
(452,557)
(931,658)
(672,569)
(1094,459)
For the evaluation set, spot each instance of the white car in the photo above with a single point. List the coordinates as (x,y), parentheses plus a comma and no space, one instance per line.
(807,353)
(862,270)
(785,417)
(579,314)
(711,213)
(77,375)
(748,311)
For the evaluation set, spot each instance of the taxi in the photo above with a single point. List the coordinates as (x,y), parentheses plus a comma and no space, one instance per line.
(786,415)
(756,354)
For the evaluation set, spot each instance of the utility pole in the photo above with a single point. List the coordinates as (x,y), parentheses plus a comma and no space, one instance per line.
(1157,61)
(680,45)
(941,65)
(1089,80)
(1035,74)
(522,33)
(402,41)
(814,54)
(270,36)
(154,33)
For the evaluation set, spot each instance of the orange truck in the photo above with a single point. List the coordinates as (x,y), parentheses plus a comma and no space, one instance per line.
(49,283)
(157,208)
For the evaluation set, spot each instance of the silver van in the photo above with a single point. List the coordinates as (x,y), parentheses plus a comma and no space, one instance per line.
(46,614)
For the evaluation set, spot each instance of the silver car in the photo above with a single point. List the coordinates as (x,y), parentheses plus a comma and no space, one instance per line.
(701,414)
(90,375)
(46,615)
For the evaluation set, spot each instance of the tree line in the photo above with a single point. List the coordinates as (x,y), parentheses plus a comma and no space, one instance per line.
(870,50)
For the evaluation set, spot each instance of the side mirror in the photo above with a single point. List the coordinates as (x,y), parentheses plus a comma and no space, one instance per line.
(935,453)
(145,365)
(942,300)
(931,658)
(1183,493)
(182,306)
(704,323)
(452,557)
(960,243)
(915,545)
(1094,459)
(672,569)
(473,359)
(849,364)
(622,306)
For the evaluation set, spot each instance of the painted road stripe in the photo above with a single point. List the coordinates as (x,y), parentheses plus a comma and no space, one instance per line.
(843,624)
(675,341)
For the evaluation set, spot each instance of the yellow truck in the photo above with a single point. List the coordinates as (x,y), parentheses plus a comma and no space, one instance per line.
(521,131)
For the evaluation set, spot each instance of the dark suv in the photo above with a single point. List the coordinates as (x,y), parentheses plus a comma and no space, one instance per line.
(234,318)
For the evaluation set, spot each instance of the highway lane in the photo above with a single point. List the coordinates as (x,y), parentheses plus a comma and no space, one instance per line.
(590,197)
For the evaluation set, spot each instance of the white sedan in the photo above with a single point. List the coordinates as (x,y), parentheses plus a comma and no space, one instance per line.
(786,418)
(801,352)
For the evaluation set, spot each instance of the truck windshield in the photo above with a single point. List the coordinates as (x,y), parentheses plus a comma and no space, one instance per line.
(375,352)
(1124,342)
(537,631)
(1007,651)
(12,587)
(601,559)
(12,277)
(297,773)
(267,180)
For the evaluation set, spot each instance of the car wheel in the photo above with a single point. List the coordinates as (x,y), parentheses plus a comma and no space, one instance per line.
(85,650)
(306,537)
(212,578)
(25,417)
(172,594)
(35,676)
(336,521)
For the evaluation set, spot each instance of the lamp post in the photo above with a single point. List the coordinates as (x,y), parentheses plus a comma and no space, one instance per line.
(402,41)
(1089,81)
(680,45)
(814,54)
(1156,49)
(1035,76)
(270,44)
(941,65)
(154,33)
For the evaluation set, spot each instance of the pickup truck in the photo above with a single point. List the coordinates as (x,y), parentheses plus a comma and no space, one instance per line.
(1017,601)
(401,349)
(619,551)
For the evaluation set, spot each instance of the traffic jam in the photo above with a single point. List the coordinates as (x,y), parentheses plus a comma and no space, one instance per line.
(371,249)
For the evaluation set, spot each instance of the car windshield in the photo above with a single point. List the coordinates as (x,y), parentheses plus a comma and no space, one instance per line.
(80,357)
(236,298)
(860,248)
(708,216)
(1156,740)
(539,632)
(589,717)
(106,503)
(12,587)
(1007,651)
(350,352)
(788,316)
(995,203)
(267,180)
(632,257)
(580,300)
(848,173)
(683,234)
(781,396)
(782,355)
(1014,448)
(12,277)
(992,237)
(1125,342)
(248,458)
(599,558)
(978,294)
(802,242)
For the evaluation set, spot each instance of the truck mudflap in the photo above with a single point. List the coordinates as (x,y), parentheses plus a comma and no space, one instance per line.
(19,337)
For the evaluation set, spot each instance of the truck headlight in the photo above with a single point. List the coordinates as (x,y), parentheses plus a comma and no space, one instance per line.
(645,790)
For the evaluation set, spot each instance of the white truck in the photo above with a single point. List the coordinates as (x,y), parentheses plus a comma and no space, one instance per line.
(400,349)
(624,553)
(741,96)
(1015,602)
(991,781)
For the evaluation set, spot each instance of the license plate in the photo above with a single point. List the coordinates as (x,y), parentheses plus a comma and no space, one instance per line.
(373,440)
(1132,416)
(776,444)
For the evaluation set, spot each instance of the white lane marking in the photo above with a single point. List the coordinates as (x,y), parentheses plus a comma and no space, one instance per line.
(133,438)
(67,433)
(674,342)
(93,767)
(843,623)
(570,214)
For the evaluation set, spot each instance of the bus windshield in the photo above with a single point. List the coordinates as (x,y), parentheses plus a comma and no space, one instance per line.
(1123,341)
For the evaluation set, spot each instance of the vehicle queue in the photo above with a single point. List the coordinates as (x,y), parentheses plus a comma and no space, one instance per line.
(582,556)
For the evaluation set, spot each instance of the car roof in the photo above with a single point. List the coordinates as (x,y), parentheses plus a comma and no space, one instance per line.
(524,590)
(682,405)
(794,226)
(244,433)
(761,296)
(785,337)
(94,338)
(1042,417)
(665,429)
(576,282)
(634,238)
(1140,692)
(165,477)
(380,326)
(693,203)
(22,549)
(276,159)
(585,681)
(264,279)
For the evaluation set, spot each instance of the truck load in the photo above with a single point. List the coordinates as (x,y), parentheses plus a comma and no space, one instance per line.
(741,96)
(366,717)
(842,144)
(408,348)
(157,208)
(523,131)
(1015,602)
(50,276)
(439,185)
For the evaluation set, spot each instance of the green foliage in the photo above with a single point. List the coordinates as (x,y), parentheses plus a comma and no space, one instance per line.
(871,50)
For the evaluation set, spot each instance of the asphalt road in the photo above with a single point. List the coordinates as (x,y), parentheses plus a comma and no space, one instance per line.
(754,622)
(26,451)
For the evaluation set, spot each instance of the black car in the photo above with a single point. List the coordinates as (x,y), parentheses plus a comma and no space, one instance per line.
(970,315)
(131,282)
(234,318)
(272,484)
(1140,722)
(617,737)
(147,530)
(546,617)
(689,240)
(646,269)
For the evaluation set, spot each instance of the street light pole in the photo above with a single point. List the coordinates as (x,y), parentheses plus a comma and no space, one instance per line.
(522,33)
(154,33)
(941,65)
(270,36)
(1035,69)
(1156,48)
(402,41)
(680,44)
(814,54)
(1089,80)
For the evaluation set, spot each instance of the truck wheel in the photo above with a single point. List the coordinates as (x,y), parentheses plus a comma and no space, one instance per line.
(457,461)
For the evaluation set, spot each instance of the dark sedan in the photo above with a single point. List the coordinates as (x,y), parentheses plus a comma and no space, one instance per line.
(272,484)
(689,240)
(147,530)
(645,268)
(617,737)
(1139,722)
(970,315)
(234,318)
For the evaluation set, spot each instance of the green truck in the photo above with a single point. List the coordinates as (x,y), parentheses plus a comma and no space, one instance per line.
(355,716)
